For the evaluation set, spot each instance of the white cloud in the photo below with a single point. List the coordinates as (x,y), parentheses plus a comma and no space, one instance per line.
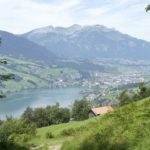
(128,16)
(97,11)
(125,15)
(23,15)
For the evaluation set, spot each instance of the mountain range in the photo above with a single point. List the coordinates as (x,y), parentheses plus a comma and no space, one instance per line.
(21,47)
(55,44)
(89,42)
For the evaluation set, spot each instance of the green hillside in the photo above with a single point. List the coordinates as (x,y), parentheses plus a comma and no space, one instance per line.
(127,128)
(30,75)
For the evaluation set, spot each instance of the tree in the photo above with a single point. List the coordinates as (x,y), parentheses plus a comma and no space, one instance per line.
(65,115)
(144,91)
(57,114)
(124,98)
(80,109)
(41,117)
(46,116)
(6,76)
(147,8)
(28,115)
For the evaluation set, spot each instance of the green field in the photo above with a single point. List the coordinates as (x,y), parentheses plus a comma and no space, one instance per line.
(126,128)
(29,75)
(57,132)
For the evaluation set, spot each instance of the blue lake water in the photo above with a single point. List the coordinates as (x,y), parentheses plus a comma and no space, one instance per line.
(15,103)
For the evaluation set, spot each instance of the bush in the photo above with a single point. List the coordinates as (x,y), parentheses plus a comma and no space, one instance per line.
(49,135)
(72,131)
(68,132)
(20,139)
(15,132)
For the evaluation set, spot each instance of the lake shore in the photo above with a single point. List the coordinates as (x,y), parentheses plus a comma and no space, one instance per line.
(15,103)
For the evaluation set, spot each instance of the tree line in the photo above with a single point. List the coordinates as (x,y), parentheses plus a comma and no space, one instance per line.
(55,114)
(127,97)
(15,133)
(47,116)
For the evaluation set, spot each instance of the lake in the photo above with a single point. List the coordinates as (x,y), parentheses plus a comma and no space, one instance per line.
(15,103)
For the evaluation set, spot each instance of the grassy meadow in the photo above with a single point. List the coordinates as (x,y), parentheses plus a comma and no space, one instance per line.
(126,128)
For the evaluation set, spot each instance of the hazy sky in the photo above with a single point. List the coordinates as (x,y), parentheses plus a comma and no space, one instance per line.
(127,16)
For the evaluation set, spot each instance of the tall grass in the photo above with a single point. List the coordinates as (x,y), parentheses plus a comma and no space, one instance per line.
(127,128)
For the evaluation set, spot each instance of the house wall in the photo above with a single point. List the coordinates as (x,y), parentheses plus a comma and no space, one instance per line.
(91,115)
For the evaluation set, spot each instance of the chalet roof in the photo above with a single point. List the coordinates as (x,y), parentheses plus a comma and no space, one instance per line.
(102,110)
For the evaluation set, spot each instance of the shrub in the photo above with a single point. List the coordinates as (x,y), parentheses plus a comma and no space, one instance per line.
(68,132)
(20,139)
(15,132)
(49,135)
(73,131)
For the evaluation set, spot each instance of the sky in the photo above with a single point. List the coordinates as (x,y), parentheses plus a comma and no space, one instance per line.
(127,16)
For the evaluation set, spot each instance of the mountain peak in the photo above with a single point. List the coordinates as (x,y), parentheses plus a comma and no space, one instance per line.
(68,30)
(90,42)
(42,30)
(18,46)
(75,26)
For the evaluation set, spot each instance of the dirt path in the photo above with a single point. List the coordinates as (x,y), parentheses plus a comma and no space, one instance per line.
(52,147)
(55,147)
(36,148)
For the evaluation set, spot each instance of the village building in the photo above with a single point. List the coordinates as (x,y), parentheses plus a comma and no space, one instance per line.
(100,111)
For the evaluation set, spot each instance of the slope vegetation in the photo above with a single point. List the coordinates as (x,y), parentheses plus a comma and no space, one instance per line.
(127,128)
(33,75)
